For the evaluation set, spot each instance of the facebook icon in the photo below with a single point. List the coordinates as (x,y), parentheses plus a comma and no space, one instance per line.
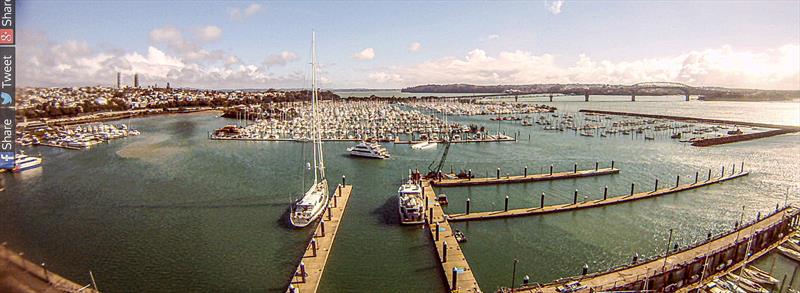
(6,160)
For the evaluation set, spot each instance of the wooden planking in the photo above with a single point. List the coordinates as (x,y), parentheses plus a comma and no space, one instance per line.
(523,178)
(475,216)
(315,264)
(455,257)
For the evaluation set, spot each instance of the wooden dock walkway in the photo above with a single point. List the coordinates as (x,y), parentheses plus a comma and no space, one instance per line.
(309,272)
(691,266)
(468,216)
(18,274)
(524,178)
(452,260)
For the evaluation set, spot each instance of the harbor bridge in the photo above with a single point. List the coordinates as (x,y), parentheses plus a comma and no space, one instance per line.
(586,91)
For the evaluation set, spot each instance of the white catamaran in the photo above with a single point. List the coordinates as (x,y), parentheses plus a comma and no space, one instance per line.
(313,203)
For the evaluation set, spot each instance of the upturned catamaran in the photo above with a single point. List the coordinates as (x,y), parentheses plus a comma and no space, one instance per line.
(307,209)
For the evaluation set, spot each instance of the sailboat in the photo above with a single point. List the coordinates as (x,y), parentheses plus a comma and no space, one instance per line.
(307,209)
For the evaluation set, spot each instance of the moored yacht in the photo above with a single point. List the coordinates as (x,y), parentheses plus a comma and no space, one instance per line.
(307,209)
(24,162)
(409,197)
(369,150)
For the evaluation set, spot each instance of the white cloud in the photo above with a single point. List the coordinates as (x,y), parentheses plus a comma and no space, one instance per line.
(554,6)
(188,48)
(383,77)
(366,54)
(45,63)
(208,33)
(280,59)
(240,14)
(168,34)
(493,37)
(414,47)
(777,68)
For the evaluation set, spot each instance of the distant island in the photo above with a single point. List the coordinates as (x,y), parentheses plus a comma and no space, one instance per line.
(655,89)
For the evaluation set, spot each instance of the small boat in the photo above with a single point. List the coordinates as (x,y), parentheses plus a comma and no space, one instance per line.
(442,199)
(713,287)
(649,137)
(728,286)
(746,284)
(460,237)
(676,136)
(787,252)
(423,145)
(571,287)
(735,132)
(759,276)
(369,150)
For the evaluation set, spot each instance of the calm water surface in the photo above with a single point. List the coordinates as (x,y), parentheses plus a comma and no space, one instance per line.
(173,211)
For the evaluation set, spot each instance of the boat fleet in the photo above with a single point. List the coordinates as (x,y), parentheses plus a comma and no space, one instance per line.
(601,125)
(80,136)
(751,279)
(354,120)
(452,108)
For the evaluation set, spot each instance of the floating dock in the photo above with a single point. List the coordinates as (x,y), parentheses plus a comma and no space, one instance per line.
(498,179)
(692,266)
(542,209)
(457,272)
(21,275)
(309,272)
(776,128)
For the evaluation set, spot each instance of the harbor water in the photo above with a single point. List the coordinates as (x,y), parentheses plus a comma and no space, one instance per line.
(172,211)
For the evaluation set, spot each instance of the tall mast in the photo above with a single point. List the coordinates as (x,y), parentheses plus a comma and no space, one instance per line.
(314,102)
(318,142)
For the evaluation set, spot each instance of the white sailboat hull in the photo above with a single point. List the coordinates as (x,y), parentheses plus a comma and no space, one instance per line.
(309,208)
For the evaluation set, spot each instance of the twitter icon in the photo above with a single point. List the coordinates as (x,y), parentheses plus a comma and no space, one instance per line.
(6,98)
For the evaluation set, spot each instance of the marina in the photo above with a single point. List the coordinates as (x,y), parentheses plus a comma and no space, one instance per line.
(585,203)
(312,264)
(772,129)
(74,137)
(501,146)
(357,120)
(452,180)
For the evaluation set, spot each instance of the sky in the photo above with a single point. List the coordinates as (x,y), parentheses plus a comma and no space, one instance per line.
(395,44)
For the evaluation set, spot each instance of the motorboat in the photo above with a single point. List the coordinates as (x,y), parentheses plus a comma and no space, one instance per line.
(411,204)
(23,162)
(369,150)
